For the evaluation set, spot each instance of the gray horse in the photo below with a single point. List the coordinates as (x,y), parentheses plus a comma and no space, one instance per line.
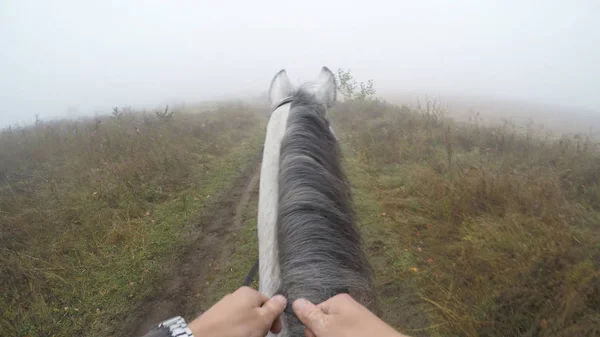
(308,244)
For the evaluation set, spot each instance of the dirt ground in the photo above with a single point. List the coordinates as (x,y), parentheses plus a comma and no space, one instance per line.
(190,270)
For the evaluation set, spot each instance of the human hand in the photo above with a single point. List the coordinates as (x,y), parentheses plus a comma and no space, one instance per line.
(340,316)
(244,313)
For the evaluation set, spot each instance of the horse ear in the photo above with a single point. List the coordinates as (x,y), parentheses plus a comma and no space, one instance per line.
(281,87)
(326,87)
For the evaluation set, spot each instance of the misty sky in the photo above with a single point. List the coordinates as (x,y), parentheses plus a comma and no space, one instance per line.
(88,56)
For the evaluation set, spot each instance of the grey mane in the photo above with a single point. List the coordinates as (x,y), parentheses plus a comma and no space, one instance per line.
(319,246)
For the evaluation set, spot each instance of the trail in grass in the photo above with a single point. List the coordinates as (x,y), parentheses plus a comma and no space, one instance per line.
(191,272)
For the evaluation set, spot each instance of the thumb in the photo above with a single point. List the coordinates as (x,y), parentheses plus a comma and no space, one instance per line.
(311,315)
(273,308)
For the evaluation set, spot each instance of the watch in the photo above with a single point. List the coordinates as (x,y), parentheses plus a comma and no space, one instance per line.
(177,327)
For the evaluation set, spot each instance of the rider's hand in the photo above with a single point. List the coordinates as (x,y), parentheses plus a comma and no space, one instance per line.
(241,315)
(340,316)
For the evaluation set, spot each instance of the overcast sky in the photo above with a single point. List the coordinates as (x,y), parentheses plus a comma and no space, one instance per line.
(90,55)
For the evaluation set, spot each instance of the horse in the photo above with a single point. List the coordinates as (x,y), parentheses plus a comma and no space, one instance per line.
(309,245)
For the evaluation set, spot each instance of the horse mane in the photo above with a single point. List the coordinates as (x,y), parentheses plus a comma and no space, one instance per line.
(319,245)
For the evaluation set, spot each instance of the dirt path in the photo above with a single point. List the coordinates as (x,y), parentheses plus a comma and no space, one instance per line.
(194,265)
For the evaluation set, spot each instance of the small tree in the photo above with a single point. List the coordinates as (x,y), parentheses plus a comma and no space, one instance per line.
(165,115)
(366,91)
(347,86)
(116,113)
(97,122)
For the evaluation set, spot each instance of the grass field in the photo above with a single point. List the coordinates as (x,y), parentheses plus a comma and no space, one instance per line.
(475,231)
(472,230)
(92,211)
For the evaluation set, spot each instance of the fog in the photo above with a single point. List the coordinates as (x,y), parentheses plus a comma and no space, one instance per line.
(68,58)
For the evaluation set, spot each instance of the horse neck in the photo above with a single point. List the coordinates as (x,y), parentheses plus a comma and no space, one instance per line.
(319,246)
(269,271)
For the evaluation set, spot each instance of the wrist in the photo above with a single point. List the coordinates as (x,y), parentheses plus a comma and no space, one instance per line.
(176,327)
(200,327)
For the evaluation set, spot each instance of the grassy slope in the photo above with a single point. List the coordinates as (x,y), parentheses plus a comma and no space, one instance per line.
(472,231)
(475,231)
(89,213)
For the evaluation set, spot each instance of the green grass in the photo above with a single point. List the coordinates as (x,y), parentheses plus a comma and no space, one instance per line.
(472,230)
(463,241)
(86,232)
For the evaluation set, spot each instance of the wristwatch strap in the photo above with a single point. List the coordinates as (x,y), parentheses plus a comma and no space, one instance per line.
(177,327)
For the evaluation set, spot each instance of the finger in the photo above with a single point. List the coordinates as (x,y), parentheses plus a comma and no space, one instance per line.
(311,315)
(308,332)
(251,296)
(325,307)
(337,302)
(276,327)
(272,309)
